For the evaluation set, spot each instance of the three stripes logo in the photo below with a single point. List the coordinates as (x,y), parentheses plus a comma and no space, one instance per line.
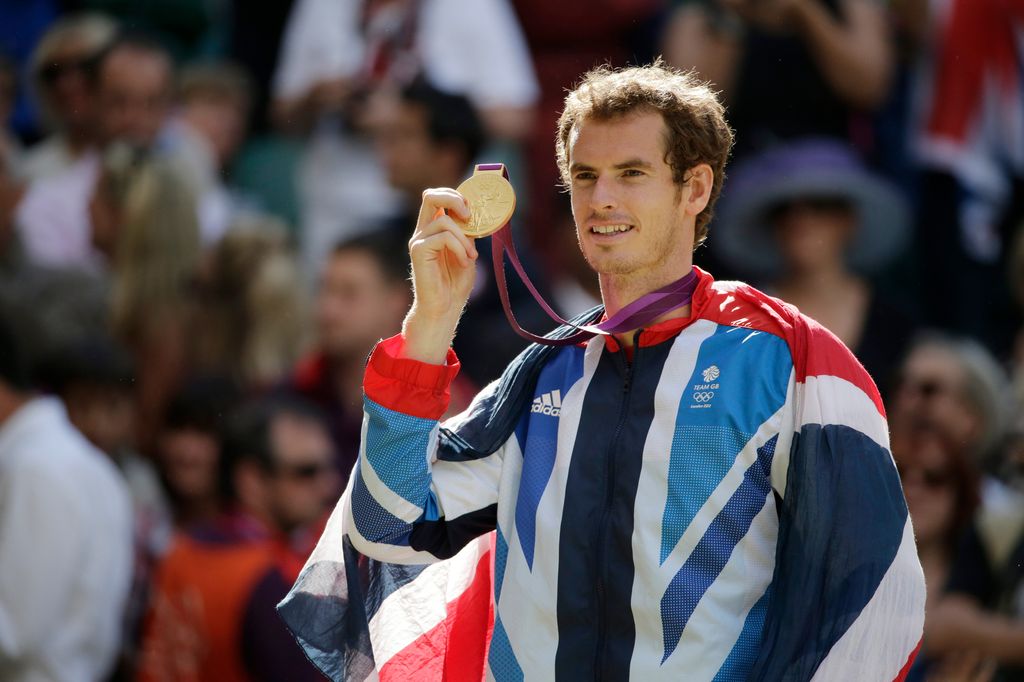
(548,403)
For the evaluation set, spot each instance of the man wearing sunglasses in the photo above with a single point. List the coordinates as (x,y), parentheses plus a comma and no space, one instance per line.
(212,612)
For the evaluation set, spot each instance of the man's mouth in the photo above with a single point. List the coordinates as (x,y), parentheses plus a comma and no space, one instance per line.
(611,229)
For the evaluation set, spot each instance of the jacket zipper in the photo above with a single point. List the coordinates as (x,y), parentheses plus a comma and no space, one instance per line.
(602,554)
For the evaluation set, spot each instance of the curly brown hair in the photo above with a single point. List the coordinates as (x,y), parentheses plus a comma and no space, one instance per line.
(695,119)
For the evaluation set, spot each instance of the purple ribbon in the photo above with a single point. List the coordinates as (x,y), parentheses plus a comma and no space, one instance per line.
(636,315)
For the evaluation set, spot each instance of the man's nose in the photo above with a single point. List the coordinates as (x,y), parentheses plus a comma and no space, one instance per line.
(603,196)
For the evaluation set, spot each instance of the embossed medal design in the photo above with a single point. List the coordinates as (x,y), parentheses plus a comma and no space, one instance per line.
(491,202)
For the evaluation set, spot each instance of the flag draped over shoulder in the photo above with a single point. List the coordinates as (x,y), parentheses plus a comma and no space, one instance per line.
(360,619)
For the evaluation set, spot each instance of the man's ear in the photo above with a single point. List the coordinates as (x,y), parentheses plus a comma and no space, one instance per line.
(699,180)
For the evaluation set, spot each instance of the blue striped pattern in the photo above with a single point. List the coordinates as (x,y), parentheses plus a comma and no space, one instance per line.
(710,555)
(539,454)
(500,656)
(390,438)
(737,666)
(373,521)
(753,372)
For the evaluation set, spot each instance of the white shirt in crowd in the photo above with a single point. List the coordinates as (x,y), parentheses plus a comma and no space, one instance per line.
(472,47)
(65,550)
(52,218)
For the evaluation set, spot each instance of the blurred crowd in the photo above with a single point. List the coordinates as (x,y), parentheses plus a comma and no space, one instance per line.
(204,211)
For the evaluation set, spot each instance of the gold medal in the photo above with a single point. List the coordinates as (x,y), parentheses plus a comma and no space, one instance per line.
(492,201)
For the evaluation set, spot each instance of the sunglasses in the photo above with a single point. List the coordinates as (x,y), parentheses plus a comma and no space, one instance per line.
(303,472)
(933,479)
(925,387)
(53,72)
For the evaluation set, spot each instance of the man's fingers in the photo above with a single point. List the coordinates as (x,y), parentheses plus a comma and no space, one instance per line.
(430,246)
(442,198)
(444,223)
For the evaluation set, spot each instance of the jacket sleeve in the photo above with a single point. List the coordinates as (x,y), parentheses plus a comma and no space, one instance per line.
(409,503)
(848,590)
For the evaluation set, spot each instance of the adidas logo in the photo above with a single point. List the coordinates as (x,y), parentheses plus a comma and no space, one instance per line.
(548,403)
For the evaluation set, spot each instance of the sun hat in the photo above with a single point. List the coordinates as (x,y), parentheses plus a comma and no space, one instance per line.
(806,169)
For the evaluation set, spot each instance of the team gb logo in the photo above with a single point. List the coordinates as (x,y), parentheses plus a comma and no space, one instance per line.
(710,374)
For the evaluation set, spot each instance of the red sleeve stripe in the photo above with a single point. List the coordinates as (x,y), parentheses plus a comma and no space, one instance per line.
(415,388)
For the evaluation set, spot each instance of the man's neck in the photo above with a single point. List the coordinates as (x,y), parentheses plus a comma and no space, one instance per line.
(618,291)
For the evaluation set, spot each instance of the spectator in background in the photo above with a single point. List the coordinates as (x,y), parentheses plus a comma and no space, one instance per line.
(208,129)
(11,153)
(953,385)
(95,379)
(65,537)
(131,82)
(11,188)
(427,137)
(788,68)
(941,484)
(808,220)
(212,616)
(252,308)
(362,297)
(59,70)
(144,221)
(134,81)
(337,53)
(188,447)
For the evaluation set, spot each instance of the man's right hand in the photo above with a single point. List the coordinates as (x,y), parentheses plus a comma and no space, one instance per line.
(443,271)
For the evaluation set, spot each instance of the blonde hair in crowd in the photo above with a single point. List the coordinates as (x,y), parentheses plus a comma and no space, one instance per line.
(253,309)
(157,252)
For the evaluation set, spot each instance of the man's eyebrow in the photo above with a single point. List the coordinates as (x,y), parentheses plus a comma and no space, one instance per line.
(631,163)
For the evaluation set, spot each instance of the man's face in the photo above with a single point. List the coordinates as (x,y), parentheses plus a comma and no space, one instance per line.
(812,230)
(67,92)
(931,392)
(356,304)
(105,415)
(134,95)
(404,145)
(304,482)
(628,210)
(188,458)
(220,120)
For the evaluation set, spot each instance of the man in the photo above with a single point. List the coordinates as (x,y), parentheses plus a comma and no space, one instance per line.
(427,137)
(708,496)
(131,81)
(207,131)
(362,295)
(59,69)
(65,537)
(336,53)
(212,615)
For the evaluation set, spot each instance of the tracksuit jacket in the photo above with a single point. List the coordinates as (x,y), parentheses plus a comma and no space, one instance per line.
(718,504)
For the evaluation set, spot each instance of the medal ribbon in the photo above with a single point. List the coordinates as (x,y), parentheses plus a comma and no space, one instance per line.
(637,314)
